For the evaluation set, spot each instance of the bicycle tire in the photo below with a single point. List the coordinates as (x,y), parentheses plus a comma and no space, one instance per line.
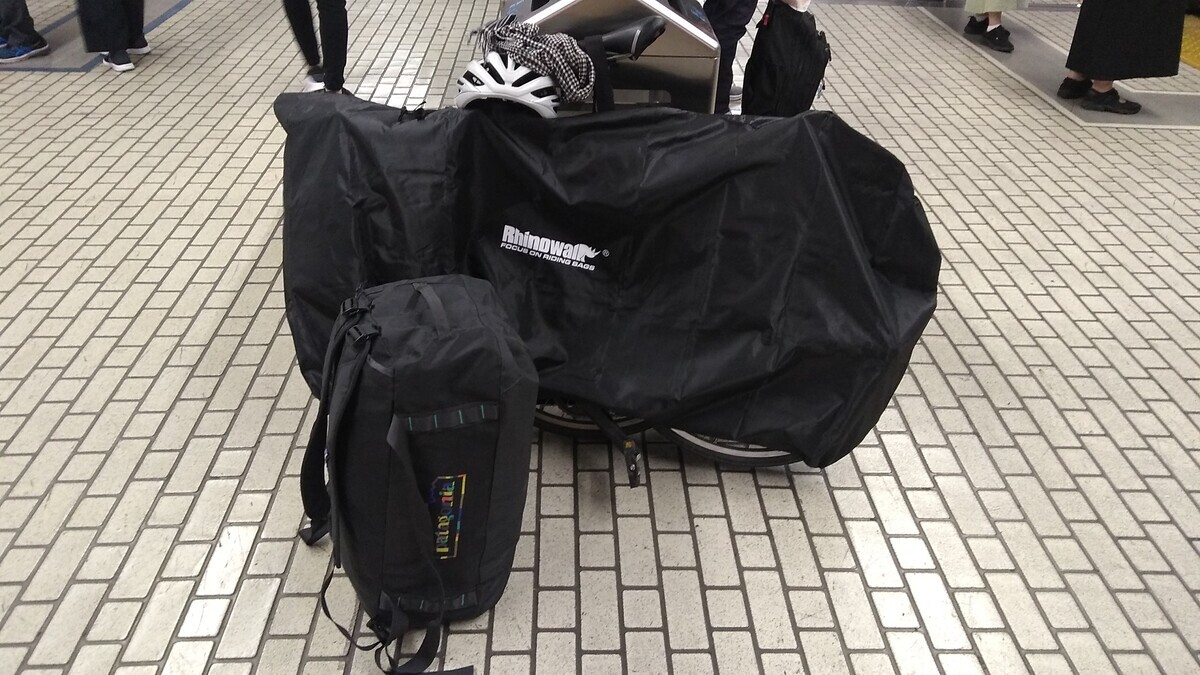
(722,451)
(559,419)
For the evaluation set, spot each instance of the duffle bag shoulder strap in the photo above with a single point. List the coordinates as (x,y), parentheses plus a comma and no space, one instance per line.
(313,491)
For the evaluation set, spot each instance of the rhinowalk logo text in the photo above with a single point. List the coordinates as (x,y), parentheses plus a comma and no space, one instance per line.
(572,255)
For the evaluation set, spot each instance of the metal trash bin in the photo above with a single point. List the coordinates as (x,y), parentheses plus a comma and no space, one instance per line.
(679,69)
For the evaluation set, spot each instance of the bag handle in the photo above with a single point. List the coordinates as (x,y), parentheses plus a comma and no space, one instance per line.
(440,320)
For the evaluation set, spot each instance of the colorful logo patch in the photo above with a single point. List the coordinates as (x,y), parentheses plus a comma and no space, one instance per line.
(445,503)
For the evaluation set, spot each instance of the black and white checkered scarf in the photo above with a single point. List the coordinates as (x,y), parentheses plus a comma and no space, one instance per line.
(557,55)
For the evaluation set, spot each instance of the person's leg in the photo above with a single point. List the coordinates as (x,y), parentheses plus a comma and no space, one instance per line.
(135,22)
(996,36)
(299,16)
(728,19)
(1074,85)
(335,38)
(104,24)
(16,25)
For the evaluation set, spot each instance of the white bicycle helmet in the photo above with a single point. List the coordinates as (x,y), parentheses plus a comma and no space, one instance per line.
(498,77)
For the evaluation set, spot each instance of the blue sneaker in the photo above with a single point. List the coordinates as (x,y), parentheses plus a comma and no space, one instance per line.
(3,42)
(10,54)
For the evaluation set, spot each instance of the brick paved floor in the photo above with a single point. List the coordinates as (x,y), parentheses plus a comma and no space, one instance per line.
(1029,503)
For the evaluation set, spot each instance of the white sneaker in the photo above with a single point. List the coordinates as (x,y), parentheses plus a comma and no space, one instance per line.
(118,61)
(139,51)
(314,80)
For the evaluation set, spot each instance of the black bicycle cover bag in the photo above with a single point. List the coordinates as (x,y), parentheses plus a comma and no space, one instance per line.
(757,279)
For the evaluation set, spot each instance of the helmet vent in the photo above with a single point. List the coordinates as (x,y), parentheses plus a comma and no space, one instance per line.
(493,72)
(526,79)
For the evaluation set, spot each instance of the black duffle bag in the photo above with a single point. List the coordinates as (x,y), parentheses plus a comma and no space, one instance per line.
(424,428)
(787,65)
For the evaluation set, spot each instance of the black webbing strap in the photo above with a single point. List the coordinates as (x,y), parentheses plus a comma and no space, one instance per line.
(341,629)
(603,99)
(628,446)
(472,413)
(312,470)
(426,653)
(440,320)
(362,339)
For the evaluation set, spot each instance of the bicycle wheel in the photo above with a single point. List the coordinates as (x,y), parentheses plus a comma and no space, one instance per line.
(561,417)
(723,451)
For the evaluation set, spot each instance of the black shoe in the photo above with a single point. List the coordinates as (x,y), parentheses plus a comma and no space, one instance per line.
(10,53)
(139,47)
(1109,101)
(1070,88)
(997,38)
(314,80)
(118,61)
(975,26)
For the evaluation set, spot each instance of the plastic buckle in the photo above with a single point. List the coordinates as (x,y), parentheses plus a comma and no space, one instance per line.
(350,306)
(357,334)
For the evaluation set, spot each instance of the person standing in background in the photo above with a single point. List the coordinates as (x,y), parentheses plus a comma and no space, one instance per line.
(18,38)
(986,22)
(115,28)
(1117,40)
(329,73)
(728,19)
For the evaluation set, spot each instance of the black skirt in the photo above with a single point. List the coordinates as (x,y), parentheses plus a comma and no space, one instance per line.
(1124,39)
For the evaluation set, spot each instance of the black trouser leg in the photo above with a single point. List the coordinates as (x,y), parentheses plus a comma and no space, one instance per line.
(135,21)
(16,25)
(728,19)
(105,25)
(335,36)
(299,15)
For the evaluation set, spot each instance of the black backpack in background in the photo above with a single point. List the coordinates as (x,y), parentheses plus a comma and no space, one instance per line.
(425,426)
(787,64)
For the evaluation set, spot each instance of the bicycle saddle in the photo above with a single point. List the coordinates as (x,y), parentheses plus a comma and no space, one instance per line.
(633,39)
